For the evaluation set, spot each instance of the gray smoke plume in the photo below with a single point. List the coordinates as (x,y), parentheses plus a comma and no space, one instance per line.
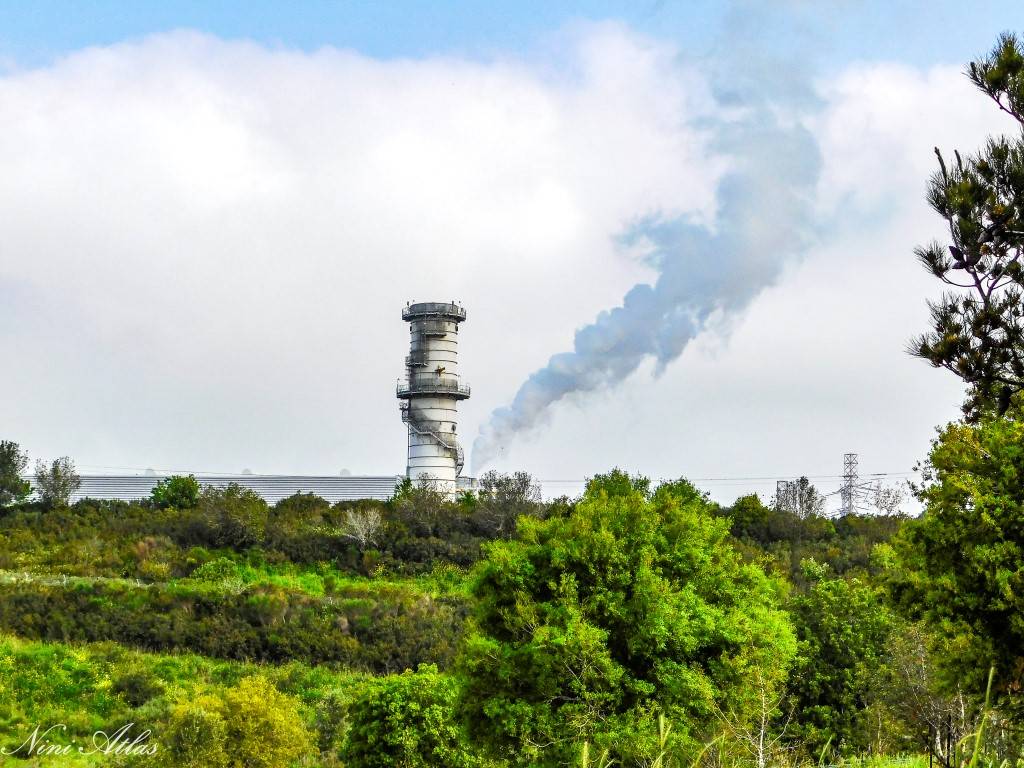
(764,219)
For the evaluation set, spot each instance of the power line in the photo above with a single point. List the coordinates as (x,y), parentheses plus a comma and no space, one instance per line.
(738,478)
(765,478)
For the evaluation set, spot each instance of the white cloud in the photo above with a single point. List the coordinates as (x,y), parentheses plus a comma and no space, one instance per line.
(207,243)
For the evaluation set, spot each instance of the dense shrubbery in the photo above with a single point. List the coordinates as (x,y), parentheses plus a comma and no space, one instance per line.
(419,528)
(381,587)
(198,709)
(407,720)
(381,630)
(845,544)
(155,540)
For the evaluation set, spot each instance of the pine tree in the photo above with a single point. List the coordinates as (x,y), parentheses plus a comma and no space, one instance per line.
(978,329)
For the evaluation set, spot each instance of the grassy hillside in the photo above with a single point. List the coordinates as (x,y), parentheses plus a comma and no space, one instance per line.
(172,619)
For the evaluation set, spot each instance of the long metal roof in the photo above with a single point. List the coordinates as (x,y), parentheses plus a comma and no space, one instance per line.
(272,488)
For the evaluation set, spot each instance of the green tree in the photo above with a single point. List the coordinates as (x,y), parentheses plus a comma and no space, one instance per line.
(406,721)
(923,716)
(960,566)
(237,516)
(800,498)
(503,498)
(12,466)
(421,505)
(843,627)
(177,491)
(978,329)
(591,623)
(56,482)
(751,519)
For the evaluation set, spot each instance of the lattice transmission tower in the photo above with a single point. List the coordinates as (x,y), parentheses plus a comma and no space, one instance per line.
(782,491)
(855,495)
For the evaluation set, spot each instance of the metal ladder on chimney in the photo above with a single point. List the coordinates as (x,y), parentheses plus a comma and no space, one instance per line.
(449,444)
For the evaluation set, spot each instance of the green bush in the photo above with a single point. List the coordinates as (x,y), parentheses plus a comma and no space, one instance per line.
(177,491)
(406,720)
(331,723)
(263,726)
(250,725)
(137,686)
(216,571)
(195,737)
(236,516)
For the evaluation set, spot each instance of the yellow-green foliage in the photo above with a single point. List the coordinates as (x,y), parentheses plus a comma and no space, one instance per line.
(103,686)
(196,737)
(251,725)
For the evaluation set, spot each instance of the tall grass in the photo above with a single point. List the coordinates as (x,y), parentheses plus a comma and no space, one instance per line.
(979,758)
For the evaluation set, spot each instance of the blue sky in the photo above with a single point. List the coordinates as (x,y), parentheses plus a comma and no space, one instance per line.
(828,33)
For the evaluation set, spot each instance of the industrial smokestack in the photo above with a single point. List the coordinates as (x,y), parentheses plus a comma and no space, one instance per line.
(430,393)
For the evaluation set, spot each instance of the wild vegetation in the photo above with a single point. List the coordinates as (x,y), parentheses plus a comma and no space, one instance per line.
(488,630)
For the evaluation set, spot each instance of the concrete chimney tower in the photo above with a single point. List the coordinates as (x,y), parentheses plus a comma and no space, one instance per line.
(431,392)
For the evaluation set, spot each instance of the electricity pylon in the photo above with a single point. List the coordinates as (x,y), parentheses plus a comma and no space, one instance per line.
(854,494)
